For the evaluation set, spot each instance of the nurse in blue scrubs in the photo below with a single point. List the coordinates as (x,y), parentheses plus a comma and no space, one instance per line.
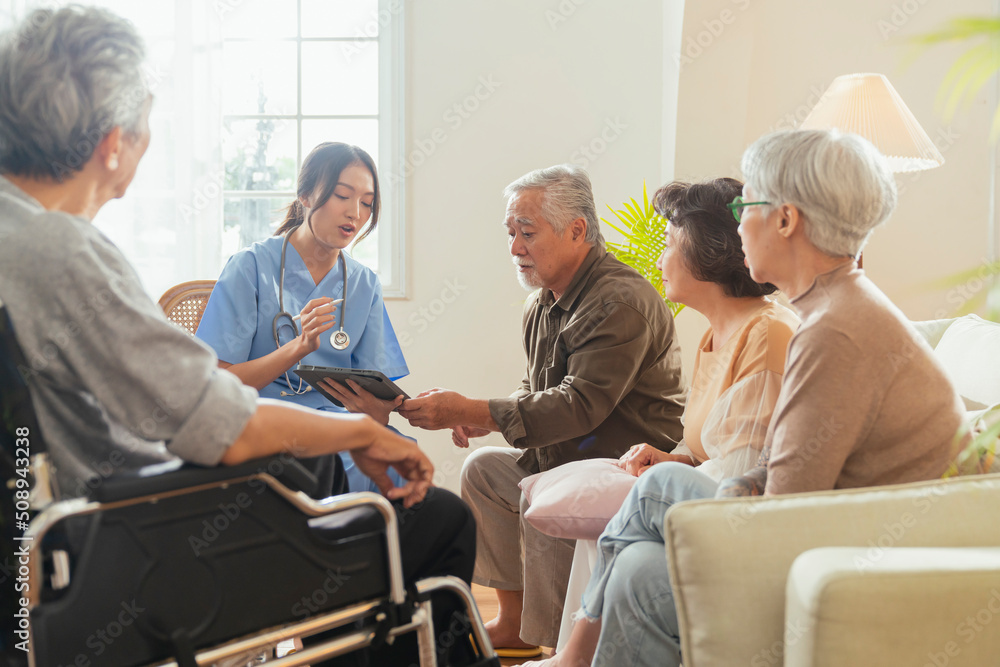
(297,297)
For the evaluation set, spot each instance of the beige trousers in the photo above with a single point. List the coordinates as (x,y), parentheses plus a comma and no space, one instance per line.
(510,553)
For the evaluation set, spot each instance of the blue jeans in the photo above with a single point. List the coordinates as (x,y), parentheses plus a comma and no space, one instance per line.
(630,587)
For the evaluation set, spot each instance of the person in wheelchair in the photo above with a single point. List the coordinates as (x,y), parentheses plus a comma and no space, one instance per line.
(114,385)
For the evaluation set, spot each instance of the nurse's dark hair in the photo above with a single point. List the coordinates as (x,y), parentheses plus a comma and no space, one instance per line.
(710,245)
(320,172)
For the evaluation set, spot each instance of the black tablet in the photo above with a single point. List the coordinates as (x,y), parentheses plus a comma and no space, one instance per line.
(375,382)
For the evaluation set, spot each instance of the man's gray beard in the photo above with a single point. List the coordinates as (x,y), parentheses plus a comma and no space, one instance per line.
(529,280)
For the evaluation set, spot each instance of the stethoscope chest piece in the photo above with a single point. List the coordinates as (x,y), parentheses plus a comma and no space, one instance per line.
(340,340)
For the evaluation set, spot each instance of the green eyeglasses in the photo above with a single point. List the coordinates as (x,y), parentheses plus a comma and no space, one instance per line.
(737,205)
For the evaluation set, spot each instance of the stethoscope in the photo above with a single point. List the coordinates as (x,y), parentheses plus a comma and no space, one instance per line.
(339,340)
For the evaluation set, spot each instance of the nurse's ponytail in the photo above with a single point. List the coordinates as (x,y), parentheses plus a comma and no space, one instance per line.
(318,177)
(295,214)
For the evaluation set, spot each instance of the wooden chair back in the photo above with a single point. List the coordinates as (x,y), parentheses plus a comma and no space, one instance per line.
(184,304)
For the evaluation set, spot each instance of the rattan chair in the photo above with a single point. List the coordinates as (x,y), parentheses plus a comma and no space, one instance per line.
(184,304)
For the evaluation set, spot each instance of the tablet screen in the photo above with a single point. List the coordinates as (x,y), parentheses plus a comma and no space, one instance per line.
(374,382)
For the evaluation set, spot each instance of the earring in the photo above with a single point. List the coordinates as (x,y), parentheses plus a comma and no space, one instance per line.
(113,162)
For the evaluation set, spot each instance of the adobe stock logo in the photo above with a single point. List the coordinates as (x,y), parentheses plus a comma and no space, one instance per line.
(695,45)
(454,117)
(435,308)
(562,12)
(585,155)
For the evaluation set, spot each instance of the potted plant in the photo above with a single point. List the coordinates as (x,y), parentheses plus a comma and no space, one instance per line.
(979,456)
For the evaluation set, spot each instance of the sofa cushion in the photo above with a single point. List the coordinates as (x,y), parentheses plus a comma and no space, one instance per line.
(729,559)
(909,606)
(970,352)
(576,500)
(932,330)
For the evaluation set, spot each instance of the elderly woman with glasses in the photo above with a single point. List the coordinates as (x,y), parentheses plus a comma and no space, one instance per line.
(862,402)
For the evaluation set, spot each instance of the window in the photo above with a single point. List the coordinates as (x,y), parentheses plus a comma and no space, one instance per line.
(244,89)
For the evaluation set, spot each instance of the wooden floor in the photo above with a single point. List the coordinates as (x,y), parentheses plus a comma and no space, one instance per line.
(486,600)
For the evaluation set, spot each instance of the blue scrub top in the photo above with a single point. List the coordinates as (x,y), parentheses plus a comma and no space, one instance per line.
(238,316)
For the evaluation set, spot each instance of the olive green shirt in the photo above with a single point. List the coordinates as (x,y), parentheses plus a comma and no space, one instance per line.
(603,371)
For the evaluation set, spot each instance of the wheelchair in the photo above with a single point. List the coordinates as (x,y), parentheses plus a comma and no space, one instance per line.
(182,565)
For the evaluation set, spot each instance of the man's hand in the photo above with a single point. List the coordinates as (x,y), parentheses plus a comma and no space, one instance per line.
(640,458)
(390,449)
(434,409)
(359,400)
(750,484)
(460,434)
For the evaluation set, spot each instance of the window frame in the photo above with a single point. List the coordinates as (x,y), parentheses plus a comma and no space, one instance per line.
(392,248)
(390,19)
(392,142)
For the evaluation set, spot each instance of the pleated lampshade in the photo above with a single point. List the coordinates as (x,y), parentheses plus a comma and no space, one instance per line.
(868,105)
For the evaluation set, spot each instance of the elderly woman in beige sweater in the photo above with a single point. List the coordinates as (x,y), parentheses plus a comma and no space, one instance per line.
(862,402)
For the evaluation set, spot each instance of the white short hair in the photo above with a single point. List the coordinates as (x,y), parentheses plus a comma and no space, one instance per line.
(568,196)
(839,182)
(67,78)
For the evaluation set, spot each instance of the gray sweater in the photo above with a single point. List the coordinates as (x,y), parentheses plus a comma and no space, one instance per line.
(114,384)
(863,402)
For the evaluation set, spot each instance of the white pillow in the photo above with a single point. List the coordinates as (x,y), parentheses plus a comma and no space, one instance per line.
(576,500)
(970,352)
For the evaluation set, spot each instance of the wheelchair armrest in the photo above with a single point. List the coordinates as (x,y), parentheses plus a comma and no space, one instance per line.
(177,475)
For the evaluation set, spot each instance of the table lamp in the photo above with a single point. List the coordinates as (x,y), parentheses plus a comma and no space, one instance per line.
(868,105)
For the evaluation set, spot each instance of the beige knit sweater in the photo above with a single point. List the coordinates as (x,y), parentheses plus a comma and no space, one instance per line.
(863,402)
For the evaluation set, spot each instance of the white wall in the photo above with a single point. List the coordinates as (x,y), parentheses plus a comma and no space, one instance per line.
(565,77)
(565,68)
(768,66)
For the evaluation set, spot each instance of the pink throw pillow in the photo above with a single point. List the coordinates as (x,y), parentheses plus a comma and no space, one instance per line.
(576,500)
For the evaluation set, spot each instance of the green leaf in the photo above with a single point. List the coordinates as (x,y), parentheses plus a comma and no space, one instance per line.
(973,69)
(995,129)
(977,64)
(986,276)
(981,448)
(650,210)
(961,29)
(617,229)
(642,230)
(637,216)
(983,272)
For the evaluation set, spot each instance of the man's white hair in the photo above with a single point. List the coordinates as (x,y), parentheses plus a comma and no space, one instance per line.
(839,182)
(568,195)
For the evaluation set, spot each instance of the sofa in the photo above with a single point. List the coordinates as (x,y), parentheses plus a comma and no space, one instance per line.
(895,575)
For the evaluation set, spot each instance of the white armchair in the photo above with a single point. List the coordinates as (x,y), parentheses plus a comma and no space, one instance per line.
(845,606)
(754,586)
(896,575)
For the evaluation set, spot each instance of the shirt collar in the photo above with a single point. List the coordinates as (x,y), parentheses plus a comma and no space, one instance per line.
(575,287)
(803,301)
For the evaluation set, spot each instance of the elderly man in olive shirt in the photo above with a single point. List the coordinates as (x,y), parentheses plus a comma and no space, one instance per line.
(603,373)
